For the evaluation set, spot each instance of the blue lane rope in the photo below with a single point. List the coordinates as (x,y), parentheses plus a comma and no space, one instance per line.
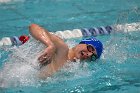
(96,31)
(15,41)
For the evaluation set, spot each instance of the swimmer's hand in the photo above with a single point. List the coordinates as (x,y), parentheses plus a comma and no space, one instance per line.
(47,55)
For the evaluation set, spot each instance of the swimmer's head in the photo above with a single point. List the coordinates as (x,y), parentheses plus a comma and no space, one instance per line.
(96,44)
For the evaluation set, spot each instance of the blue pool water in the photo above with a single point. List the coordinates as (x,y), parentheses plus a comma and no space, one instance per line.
(117,71)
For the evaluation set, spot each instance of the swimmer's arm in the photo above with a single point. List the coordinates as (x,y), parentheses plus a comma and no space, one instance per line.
(45,37)
(49,39)
(40,34)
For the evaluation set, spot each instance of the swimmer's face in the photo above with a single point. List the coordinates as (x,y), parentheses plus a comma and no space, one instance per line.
(84,51)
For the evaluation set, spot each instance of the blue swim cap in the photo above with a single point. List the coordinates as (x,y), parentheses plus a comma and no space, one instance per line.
(96,43)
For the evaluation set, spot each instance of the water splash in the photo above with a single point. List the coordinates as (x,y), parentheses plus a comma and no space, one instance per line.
(22,66)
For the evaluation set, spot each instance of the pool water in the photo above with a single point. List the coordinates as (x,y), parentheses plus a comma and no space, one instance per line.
(117,71)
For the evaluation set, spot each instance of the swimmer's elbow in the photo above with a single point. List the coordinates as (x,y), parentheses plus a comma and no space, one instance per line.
(32,27)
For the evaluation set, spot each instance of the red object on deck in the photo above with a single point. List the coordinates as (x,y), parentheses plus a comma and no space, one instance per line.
(24,38)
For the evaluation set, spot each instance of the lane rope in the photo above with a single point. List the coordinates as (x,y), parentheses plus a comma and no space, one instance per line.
(75,33)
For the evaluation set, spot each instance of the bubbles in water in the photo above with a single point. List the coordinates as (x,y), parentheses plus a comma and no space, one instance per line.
(115,51)
(13,75)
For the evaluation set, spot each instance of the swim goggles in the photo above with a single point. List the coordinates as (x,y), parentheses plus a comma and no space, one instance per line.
(90,48)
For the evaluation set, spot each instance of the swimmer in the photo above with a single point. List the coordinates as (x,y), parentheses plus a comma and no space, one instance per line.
(57,53)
